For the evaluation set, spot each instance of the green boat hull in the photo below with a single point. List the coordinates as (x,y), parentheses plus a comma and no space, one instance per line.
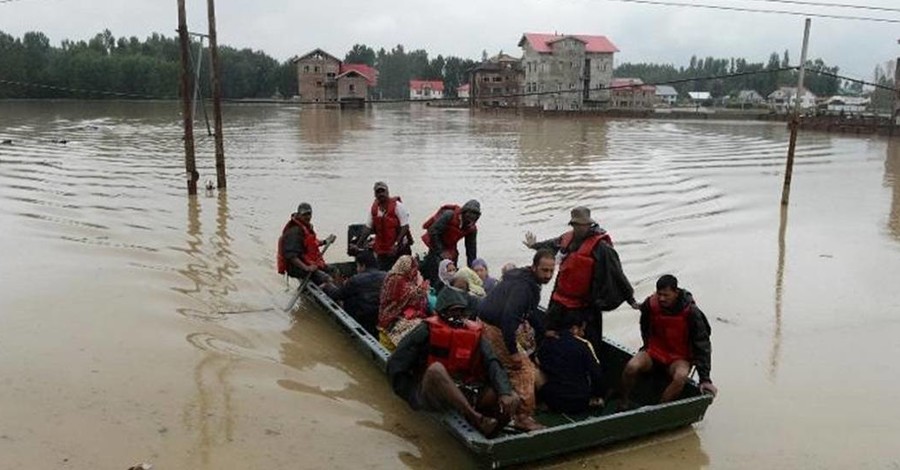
(564,433)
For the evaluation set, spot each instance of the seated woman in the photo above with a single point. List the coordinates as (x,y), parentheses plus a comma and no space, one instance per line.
(569,379)
(476,286)
(404,302)
(481,268)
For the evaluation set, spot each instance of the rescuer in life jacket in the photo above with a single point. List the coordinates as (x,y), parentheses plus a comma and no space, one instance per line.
(300,253)
(443,231)
(590,280)
(388,219)
(676,336)
(444,364)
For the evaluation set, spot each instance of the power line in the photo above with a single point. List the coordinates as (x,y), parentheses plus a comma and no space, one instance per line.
(831,5)
(758,10)
(854,80)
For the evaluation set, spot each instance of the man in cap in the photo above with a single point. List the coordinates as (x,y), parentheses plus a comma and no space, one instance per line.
(590,279)
(444,230)
(388,218)
(299,249)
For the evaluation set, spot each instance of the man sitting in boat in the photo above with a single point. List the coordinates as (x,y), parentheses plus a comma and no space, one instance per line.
(443,231)
(361,294)
(299,249)
(591,280)
(444,353)
(676,336)
(511,324)
(389,220)
(570,378)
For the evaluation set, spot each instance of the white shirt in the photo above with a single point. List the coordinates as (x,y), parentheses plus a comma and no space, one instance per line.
(399,210)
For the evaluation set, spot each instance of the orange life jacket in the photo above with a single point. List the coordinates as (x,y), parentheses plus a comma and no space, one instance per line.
(311,254)
(669,334)
(456,348)
(573,284)
(454,232)
(386,226)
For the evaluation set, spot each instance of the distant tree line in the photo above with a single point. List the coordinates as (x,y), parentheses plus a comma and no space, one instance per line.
(148,68)
(398,66)
(769,80)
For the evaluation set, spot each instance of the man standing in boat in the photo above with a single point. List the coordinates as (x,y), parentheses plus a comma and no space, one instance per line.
(389,219)
(444,353)
(443,231)
(299,249)
(676,337)
(590,281)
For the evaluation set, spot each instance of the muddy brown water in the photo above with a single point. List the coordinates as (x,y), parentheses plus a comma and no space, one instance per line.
(138,325)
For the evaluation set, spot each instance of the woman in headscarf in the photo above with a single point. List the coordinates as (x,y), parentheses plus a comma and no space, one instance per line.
(404,301)
(476,287)
(446,271)
(481,268)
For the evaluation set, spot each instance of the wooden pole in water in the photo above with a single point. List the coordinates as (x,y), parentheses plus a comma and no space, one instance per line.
(217,94)
(190,166)
(795,119)
(896,115)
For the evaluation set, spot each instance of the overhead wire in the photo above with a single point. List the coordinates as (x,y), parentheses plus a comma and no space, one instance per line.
(759,10)
(831,5)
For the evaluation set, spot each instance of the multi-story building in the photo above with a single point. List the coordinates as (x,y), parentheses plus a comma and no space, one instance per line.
(568,72)
(497,82)
(323,78)
(632,93)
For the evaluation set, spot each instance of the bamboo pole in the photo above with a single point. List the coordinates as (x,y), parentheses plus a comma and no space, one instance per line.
(190,165)
(795,119)
(217,95)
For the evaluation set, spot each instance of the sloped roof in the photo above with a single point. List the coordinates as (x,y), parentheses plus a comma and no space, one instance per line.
(700,95)
(366,71)
(630,84)
(436,85)
(314,52)
(463,87)
(666,90)
(541,42)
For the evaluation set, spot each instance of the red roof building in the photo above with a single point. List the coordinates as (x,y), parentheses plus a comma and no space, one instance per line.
(542,42)
(426,89)
(369,72)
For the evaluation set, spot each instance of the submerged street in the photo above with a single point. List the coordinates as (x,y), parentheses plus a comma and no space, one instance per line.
(140,325)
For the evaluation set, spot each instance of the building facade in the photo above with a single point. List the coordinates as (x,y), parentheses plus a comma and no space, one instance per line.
(785,98)
(426,89)
(632,93)
(566,72)
(323,78)
(497,82)
(667,95)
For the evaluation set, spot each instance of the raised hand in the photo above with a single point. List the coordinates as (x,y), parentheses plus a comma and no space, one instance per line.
(530,240)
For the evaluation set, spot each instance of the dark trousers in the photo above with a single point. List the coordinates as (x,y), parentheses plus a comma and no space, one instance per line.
(386,262)
(593,332)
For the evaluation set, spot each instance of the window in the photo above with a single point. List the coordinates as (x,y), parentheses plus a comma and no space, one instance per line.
(318,82)
(317,69)
(497,79)
(306,68)
(352,87)
(486,79)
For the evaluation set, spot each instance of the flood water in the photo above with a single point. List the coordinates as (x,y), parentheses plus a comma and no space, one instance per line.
(140,325)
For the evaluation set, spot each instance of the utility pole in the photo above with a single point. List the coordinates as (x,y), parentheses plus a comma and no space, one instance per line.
(217,94)
(190,166)
(795,119)
(896,120)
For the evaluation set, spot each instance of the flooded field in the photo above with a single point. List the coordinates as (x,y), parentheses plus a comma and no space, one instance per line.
(139,325)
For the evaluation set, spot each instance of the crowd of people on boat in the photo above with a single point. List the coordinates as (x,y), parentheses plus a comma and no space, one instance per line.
(461,339)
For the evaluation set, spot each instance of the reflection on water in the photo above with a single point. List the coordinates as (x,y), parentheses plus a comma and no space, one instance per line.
(779,294)
(892,179)
(692,198)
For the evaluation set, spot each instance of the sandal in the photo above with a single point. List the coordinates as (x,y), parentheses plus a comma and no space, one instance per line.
(527,424)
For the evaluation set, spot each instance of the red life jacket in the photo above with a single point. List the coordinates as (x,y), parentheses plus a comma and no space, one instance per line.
(454,232)
(311,254)
(456,348)
(669,334)
(386,226)
(573,283)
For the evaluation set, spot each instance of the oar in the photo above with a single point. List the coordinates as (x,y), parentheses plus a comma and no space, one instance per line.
(290,305)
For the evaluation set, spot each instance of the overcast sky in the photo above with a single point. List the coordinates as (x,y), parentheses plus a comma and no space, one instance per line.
(283,28)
